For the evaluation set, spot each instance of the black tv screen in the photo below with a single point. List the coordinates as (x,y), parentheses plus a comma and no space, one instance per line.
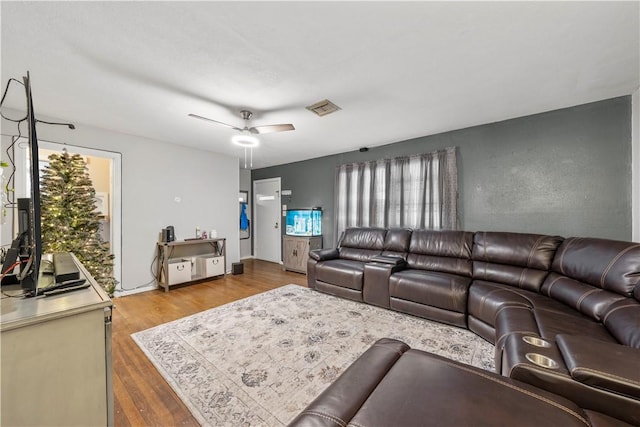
(31,251)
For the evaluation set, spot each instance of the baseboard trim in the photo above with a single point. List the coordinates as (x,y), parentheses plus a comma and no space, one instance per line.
(125,292)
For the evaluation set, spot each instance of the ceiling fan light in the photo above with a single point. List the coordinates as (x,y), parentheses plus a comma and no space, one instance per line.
(245,140)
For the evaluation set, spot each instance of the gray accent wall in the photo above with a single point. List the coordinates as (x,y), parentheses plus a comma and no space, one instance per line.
(565,172)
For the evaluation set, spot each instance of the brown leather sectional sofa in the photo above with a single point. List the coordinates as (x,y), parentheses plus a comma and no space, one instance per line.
(393,385)
(564,314)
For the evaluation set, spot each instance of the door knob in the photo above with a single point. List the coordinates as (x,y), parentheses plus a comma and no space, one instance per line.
(275,226)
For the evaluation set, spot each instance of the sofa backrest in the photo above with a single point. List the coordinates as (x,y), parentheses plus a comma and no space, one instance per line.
(515,259)
(601,279)
(362,244)
(396,242)
(445,251)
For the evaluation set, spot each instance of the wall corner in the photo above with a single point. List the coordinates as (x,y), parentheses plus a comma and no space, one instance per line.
(635,165)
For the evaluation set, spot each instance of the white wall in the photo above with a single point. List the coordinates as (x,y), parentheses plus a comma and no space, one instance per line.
(635,165)
(154,174)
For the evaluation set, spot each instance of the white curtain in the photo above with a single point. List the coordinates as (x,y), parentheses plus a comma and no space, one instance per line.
(418,191)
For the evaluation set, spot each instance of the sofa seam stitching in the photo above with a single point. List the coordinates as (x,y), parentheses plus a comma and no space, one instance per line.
(533,249)
(612,263)
(616,309)
(330,417)
(483,301)
(524,391)
(585,295)
(521,279)
(506,306)
(553,282)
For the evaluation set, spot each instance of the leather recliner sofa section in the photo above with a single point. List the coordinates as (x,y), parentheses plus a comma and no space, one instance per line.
(341,271)
(563,314)
(436,280)
(393,385)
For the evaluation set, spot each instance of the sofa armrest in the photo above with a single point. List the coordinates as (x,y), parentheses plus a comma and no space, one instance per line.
(387,259)
(376,280)
(324,254)
(602,364)
(344,397)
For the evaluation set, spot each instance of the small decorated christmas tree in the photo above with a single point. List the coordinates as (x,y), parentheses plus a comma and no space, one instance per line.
(70,222)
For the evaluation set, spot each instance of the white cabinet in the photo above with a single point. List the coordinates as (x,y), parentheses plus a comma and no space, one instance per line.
(56,358)
(296,251)
(190,260)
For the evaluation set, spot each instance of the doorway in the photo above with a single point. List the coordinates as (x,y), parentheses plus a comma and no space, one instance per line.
(267,236)
(105,170)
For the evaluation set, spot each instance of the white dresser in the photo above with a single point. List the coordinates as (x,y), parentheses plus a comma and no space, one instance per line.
(56,358)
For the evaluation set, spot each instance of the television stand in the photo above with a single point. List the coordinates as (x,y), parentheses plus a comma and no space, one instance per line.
(56,357)
(296,251)
(190,260)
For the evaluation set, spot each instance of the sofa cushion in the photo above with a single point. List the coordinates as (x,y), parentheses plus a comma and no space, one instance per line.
(487,298)
(445,251)
(553,323)
(442,290)
(516,259)
(606,264)
(622,320)
(441,392)
(361,244)
(589,300)
(525,250)
(592,275)
(341,272)
(510,310)
(396,242)
(546,324)
(607,366)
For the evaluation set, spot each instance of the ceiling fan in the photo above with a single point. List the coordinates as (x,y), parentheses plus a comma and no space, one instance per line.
(246,116)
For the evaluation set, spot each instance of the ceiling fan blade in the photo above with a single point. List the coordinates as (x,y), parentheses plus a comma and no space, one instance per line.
(195,116)
(272,128)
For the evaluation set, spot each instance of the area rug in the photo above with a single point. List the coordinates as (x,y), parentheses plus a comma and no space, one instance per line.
(259,361)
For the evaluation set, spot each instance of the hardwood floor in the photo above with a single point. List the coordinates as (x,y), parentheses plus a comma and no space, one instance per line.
(142,397)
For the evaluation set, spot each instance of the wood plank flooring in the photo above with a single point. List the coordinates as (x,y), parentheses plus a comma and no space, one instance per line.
(142,397)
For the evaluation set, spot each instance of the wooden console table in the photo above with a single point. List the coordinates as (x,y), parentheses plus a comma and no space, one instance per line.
(190,260)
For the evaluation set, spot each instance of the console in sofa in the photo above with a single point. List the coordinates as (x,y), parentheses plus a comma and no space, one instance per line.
(393,385)
(564,314)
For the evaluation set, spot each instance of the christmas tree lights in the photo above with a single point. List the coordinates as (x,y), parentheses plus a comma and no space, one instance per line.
(70,222)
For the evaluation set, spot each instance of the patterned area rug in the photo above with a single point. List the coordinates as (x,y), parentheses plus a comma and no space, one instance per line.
(261,360)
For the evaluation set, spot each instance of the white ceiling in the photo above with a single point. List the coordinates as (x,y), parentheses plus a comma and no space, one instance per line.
(398,70)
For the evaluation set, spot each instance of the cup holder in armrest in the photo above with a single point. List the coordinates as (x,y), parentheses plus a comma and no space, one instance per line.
(540,360)
(535,341)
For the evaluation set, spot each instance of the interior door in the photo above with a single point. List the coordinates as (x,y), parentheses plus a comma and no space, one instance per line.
(268,240)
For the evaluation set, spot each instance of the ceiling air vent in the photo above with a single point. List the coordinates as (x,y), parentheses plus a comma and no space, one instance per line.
(323,108)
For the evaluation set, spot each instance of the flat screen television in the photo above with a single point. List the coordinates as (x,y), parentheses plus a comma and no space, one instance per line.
(304,222)
(27,246)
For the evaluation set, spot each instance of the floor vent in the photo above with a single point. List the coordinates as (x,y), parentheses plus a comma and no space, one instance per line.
(323,108)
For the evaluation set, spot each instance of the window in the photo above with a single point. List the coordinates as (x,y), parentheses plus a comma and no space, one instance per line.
(413,192)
